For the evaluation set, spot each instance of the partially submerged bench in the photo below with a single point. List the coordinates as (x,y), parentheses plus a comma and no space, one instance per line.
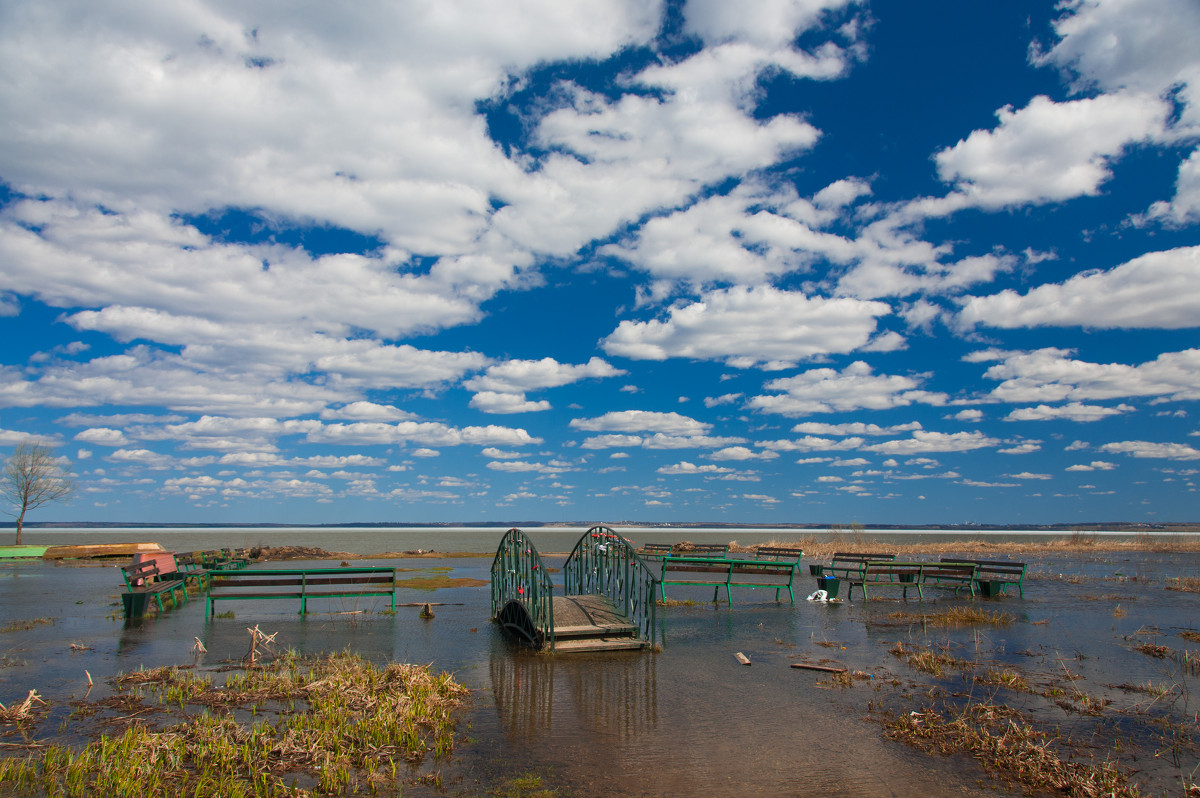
(224,559)
(779,554)
(143,581)
(301,583)
(705,550)
(881,573)
(708,569)
(994,576)
(846,563)
(189,566)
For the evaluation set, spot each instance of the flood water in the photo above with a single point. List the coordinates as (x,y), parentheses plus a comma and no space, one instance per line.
(688,720)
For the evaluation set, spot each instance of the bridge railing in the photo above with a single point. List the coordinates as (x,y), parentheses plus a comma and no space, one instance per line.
(605,563)
(519,575)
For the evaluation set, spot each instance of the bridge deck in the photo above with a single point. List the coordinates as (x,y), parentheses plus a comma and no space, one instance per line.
(593,623)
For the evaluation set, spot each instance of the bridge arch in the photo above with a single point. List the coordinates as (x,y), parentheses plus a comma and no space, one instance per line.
(608,602)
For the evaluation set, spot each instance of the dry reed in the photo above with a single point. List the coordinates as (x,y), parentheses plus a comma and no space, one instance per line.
(1008,747)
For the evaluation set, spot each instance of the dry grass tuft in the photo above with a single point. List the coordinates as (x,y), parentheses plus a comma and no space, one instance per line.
(25,625)
(342,725)
(929,661)
(1008,747)
(1186,584)
(955,616)
(1077,542)
(1152,650)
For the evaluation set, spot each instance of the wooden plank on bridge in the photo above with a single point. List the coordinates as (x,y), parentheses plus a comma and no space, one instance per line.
(592,623)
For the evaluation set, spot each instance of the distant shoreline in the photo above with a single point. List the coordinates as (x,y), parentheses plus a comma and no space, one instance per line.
(1116,526)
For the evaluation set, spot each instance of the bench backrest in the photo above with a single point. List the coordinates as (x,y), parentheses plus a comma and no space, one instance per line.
(655,548)
(707,550)
(286,577)
(1001,567)
(957,569)
(138,574)
(851,556)
(779,553)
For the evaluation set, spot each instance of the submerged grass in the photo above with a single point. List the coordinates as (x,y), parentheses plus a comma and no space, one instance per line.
(1008,747)
(340,724)
(954,616)
(25,625)
(1186,584)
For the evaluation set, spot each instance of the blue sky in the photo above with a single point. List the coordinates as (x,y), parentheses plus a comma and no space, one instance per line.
(808,261)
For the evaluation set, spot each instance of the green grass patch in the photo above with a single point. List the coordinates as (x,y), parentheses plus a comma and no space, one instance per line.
(336,725)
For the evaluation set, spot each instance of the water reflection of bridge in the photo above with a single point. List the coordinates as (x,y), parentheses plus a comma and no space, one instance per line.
(538,696)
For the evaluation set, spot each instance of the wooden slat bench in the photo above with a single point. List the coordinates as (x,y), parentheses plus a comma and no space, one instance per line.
(994,576)
(779,554)
(883,573)
(705,550)
(189,567)
(143,582)
(957,575)
(846,563)
(301,583)
(708,570)
(224,559)
(655,549)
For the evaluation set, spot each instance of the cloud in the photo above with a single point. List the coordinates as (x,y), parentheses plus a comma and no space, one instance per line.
(1168,451)
(1049,151)
(102,436)
(1140,45)
(1073,411)
(812,443)
(750,327)
(742,453)
(747,327)
(517,376)
(521,466)
(367,411)
(641,421)
(1095,465)
(853,428)
(687,469)
(492,402)
(428,433)
(827,390)
(501,388)
(1155,290)
(923,441)
(724,399)
(1049,375)
(745,237)
(499,454)
(1184,208)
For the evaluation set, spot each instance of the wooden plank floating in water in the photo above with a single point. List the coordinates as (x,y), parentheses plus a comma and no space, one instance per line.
(823,668)
(100,550)
(742,658)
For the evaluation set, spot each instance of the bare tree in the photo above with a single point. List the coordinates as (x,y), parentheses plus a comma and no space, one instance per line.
(32,477)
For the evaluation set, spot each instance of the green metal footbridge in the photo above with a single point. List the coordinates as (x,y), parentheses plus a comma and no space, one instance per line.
(608,601)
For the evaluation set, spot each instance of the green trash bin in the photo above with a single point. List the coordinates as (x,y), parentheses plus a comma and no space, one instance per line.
(829,584)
